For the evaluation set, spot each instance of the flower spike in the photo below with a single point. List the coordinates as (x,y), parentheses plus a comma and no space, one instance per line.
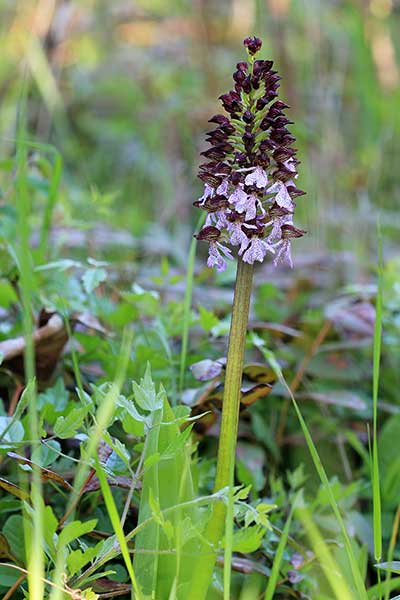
(251,170)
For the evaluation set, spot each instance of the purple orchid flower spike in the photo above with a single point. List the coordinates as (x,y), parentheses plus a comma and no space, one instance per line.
(249,177)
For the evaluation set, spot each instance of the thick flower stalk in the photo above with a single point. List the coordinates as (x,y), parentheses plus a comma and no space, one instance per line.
(250,188)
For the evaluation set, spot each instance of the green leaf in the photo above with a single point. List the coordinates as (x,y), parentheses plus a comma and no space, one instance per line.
(92,278)
(166,484)
(145,393)
(13,530)
(248,539)
(74,530)
(14,433)
(46,453)
(207,319)
(79,558)
(50,524)
(8,576)
(56,397)
(7,294)
(67,427)
(131,409)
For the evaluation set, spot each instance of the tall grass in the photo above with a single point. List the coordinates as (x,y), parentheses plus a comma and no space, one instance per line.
(33,521)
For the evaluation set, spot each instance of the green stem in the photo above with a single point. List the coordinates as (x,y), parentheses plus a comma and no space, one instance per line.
(233,377)
(229,427)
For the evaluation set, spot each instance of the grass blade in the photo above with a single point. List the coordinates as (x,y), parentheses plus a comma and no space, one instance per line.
(376,495)
(273,578)
(115,521)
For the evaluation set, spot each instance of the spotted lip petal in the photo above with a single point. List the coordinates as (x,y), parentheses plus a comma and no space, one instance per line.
(250,170)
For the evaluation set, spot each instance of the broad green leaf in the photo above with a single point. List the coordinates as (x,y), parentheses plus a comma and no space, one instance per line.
(46,453)
(248,539)
(8,576)
(54,401)
(74,530)
(79,558)
(14,433)
(13,530)
(67,427)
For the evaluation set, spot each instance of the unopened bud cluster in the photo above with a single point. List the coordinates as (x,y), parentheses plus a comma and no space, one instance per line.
(249,177)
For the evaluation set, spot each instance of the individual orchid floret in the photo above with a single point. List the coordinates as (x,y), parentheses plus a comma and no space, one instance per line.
(258,178)
(217,252)
(257,250)
(283,247)
(251,169)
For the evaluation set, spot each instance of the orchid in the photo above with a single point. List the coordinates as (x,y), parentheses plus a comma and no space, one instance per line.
(249,177)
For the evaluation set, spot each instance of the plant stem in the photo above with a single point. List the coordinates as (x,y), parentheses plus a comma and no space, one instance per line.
(229,427)
(233,377)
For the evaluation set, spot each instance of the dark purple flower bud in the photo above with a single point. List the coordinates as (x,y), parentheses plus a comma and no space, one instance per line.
(246,85)
(210,234)
(241,158)
(231,102)
(248,116)
(275,211)
(283,174)
(248,141)
(281,122)
(242,66)
(215,203)
(220,120)
(271,77)
(236,178)
(281,153)
(265,123)
(210,179)
(279,105)
(262,159)
(262,103)
(223,168)
(289,231)
(217,152)
(239,76)
(294,191)
(261,67)
(216,137)
(273,113)
(267,145)
(214,153)
(253,45)
(281,135)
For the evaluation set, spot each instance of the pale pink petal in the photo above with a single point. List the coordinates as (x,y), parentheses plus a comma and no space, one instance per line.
(284,254)
(222,189)
(257,251)
(237,196)
(208,193)
(248,205)
(258,177)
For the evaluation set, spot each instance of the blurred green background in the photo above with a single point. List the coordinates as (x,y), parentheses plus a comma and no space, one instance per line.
(124,90)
